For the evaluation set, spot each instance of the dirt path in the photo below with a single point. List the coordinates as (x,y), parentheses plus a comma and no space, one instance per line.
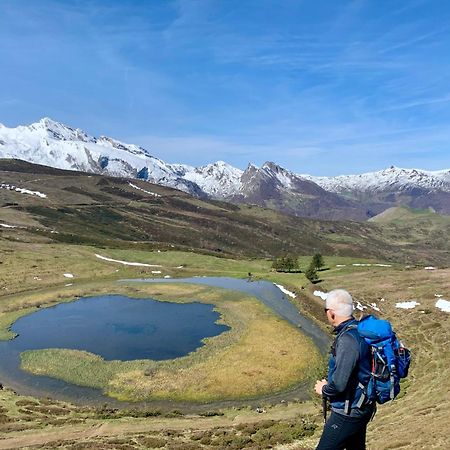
(133,426)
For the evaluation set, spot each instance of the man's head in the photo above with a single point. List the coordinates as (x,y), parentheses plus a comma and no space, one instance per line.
(338,306)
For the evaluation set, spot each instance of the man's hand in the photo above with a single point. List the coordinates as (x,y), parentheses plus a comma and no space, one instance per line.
(319,385)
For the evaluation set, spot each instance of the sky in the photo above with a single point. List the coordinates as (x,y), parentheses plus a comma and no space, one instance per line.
(318,86)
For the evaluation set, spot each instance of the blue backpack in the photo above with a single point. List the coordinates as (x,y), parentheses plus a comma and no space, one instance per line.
(390,360)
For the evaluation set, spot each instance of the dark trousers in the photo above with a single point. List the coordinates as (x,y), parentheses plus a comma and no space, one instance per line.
(344,432)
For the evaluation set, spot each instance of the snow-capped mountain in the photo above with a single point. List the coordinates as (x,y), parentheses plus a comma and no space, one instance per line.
(273,186)
(393,179)
(53,144)
(357,197)
(218,180)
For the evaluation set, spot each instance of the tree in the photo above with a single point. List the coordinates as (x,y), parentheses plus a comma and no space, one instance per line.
(317,261)
(311,273)
(286,263)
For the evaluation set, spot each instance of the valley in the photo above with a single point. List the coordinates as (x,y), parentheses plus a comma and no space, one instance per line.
(224,225)
(51,423)
(89,232)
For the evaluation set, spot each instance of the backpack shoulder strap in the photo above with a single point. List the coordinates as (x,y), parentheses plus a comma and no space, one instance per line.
(352,326)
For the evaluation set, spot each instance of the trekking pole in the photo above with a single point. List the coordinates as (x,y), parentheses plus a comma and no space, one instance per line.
(324,408)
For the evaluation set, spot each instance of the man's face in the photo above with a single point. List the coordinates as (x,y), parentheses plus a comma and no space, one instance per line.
(330,316)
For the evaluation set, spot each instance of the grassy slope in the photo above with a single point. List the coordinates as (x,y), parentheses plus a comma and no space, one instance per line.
(108,212)
(416,421)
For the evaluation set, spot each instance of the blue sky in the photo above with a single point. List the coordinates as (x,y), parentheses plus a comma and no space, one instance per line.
(318,86)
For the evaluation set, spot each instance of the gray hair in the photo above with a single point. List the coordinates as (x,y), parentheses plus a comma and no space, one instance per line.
(341,302)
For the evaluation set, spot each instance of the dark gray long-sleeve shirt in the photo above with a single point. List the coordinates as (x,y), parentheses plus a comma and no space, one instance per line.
(347,356)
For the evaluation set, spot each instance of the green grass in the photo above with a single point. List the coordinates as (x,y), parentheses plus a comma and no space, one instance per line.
(401,214)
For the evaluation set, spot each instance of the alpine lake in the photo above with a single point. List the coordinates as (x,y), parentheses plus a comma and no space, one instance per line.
(122,328)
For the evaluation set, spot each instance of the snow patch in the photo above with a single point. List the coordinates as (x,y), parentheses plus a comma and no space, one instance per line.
(370,265)
(126,263)
(443,305)
(360,306)
(5,225)
(438,295)
(156,271)
(322,295)
(430,268)
(167,276)
(11,187)
(68,275)
(374,306)
(154,194)
(407,305)
(284,290)
(341,265)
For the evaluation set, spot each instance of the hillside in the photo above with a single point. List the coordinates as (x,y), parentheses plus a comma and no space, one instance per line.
(46,204)
(402,214)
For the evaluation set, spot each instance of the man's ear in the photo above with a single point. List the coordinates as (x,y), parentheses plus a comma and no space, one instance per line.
(332,315)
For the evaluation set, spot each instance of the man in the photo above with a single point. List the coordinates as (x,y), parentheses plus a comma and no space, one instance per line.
(348,375)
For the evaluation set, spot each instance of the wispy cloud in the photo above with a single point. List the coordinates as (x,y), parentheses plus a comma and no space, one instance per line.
(313,84)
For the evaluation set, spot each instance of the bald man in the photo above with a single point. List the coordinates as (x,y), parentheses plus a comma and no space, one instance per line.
(349,371)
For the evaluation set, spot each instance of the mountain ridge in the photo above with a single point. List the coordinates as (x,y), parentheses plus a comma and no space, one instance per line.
(356,197)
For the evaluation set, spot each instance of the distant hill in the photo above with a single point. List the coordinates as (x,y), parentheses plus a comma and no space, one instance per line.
(401,214)
(346,197)
(38,203)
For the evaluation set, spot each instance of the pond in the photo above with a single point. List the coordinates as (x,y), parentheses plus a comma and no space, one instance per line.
(114,327)
(130,334)
(117,327)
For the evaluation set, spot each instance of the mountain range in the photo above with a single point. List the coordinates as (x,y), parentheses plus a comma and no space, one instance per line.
(355,197)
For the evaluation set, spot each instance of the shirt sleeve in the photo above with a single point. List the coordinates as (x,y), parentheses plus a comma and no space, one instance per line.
(347,355)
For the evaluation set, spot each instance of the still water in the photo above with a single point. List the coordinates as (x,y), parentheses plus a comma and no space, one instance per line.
(117,327)
(114,327)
